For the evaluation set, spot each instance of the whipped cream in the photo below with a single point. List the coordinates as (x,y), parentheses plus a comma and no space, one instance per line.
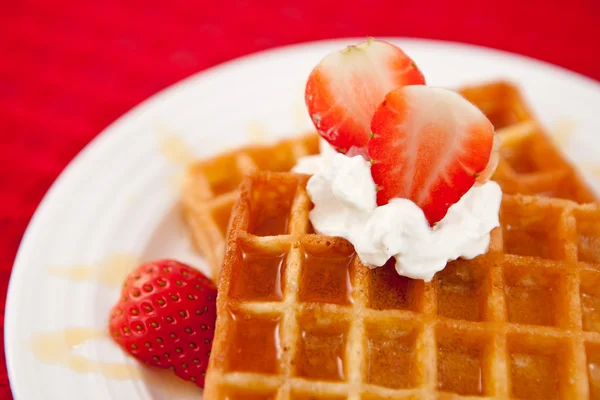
(344,197)
(310,165)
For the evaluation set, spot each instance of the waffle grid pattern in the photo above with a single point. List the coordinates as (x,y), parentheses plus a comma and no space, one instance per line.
(210,188)
(530,164)
(522,321)
(530,161)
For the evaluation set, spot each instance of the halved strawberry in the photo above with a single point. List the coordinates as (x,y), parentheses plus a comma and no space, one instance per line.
(346,87)
(429,145)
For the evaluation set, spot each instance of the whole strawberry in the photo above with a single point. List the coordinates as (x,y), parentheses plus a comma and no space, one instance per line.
(166,318)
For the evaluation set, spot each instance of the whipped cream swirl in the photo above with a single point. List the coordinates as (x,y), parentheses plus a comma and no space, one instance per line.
(344,197)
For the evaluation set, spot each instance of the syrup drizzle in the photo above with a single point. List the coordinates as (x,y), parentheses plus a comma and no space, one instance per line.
(177,152)
(59,348)
(111,271)
(257,132)
(594,170)
(562,131)
(300,116)
(174,148)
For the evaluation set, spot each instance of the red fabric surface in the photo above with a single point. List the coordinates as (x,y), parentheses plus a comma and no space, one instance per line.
(69,68)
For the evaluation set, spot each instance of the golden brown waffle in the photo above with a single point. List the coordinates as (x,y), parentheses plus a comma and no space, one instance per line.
(530,161)
(210,188)
(530,164)
(299,317)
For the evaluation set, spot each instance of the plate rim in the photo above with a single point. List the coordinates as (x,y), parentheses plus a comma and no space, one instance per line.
(11,313)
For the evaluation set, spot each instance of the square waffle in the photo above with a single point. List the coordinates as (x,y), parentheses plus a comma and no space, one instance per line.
(210,188)
(530,161)
(530,164)
(299,317)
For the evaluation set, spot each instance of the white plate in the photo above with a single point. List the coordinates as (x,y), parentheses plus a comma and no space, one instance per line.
(117,200)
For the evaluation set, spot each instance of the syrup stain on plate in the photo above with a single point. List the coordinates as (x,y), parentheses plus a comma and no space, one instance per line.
(299,112)
(177,180)
(594,170)
(257,132)
(174,148)
(177,152)
(562,130)
(300,116)
(59,348)
(111,271)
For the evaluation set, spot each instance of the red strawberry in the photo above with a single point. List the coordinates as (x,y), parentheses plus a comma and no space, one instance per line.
(346,87)
(166,318)
(429,145)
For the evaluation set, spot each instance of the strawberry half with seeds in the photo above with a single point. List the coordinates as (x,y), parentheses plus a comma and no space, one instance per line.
(429,145)
(166,318)
(346,87)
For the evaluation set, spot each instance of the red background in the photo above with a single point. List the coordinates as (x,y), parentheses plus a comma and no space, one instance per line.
(69,68)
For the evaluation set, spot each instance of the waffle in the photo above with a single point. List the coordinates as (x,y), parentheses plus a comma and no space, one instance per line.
(210,188)
(530,164)
(530,161)
(299,317)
